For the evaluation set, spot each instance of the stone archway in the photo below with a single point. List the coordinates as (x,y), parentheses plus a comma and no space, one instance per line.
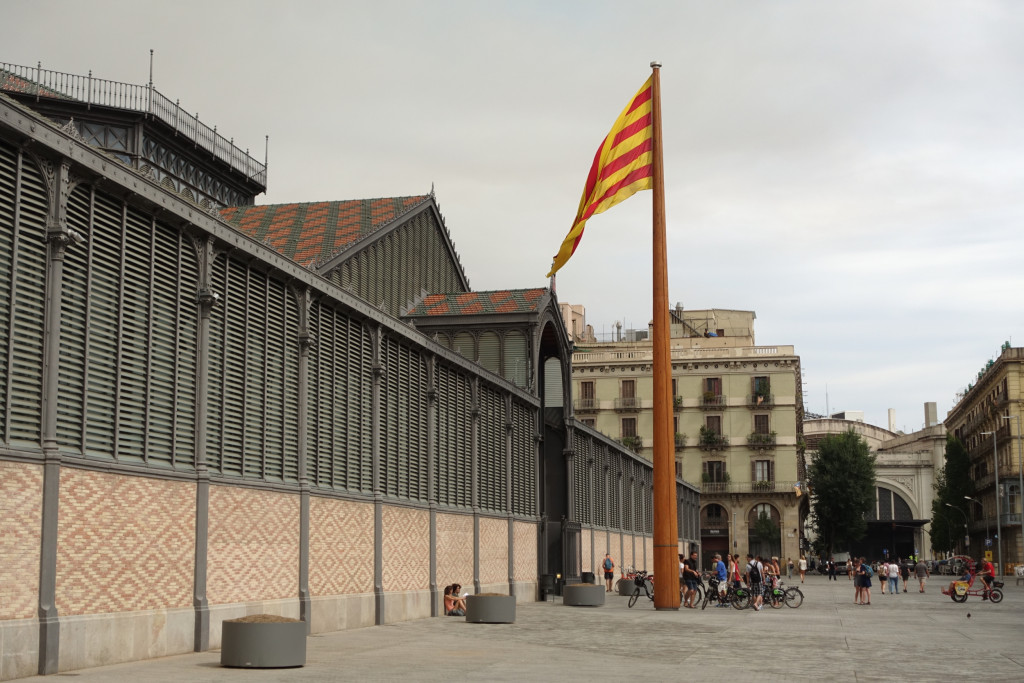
(764,524)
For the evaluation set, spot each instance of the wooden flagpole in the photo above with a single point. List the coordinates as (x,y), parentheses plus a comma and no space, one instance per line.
(666,536)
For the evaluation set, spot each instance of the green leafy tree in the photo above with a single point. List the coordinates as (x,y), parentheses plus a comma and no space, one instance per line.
(952,484)
(765,529)
(841,477)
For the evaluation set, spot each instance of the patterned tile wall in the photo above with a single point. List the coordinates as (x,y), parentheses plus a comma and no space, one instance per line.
(21,516)
(649,549)
(124,543)
(525,561)
(340,547)
(406,549)
(253,545)
(455,549)
(493,550)
(588,550)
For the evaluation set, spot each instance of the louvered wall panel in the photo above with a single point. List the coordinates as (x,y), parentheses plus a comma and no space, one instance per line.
(219,352)
(291,386)
(255,369)
(391,440)
(490,352)
(403,437)
(524,463)
(73,322)
(579,476)
(615,499)
(516,361)
(493,471)
(356,407)
(235,390)
(274,374)
(135,298)
(318,440)
(104,314)
(453,447)
(29,291)
(8,173)
(186,342)
(160,446)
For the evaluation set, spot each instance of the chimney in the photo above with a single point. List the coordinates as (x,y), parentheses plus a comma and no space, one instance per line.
(892,419)
(931,414)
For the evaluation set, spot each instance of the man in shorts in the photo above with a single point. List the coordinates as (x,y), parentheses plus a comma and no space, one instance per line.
(690,576)
(921,572)
(755,574)
(608,565)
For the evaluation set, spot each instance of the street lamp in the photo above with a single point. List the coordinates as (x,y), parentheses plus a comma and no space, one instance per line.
(978,502)
(999,526)
(1020,471)
(967,538)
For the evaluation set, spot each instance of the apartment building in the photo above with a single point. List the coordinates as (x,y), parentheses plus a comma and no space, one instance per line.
(738,413)
(987,420)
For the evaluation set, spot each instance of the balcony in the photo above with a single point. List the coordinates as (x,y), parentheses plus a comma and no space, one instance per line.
(755,401)
(754,487)
(627,404)
(761,442)
(633,443)
(677,403)
(586,405)
(710,401)
(680,441)
(710,441)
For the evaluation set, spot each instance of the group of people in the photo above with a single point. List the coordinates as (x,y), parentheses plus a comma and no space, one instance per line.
(889,574)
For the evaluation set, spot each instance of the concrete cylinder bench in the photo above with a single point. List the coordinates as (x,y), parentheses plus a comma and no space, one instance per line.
(583,595)
(491,609)
(263,641)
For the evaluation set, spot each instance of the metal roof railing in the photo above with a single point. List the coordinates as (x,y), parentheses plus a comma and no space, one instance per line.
(44,83)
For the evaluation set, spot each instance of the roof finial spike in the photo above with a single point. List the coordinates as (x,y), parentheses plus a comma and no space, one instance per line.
(432,189)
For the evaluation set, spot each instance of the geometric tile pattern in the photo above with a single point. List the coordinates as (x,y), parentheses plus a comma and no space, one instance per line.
(406,549)
(253,551)
(525,562)
(340,547)
(649,549)
(318,230)
(124,543)
(478,303)
(455,549)
(21,517)
(493,550)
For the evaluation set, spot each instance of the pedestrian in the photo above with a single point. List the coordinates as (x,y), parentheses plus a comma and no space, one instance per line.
(755,570)
(922,573)
(884,574)
(832,569)
(894,578)
(789,567)
(734,571)
(803,568)
(608,564)
(865,581)
(691,573)
(855,572)
(849,569)
(905,573)
(722,573)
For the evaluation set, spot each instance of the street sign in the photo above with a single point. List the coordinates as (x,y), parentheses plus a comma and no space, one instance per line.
(988,555)
(988,543)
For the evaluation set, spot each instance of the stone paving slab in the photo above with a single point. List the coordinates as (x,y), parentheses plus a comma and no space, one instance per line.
(903,637)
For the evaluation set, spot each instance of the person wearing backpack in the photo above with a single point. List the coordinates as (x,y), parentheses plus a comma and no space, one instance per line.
(865,582)
(608,564)
(755,572)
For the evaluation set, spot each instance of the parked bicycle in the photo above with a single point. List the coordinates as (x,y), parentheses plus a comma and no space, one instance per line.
(641,582)
(731,596)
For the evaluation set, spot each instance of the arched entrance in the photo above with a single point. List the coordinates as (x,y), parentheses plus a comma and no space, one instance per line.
(765,531)
(714,532)
(892,529)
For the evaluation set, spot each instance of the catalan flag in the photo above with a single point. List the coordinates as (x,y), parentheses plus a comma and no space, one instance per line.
(623,165)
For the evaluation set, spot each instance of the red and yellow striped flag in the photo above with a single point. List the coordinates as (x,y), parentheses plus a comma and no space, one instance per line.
(623,165)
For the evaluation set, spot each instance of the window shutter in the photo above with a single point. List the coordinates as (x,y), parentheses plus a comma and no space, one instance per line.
(516,362)
(490,352)
(74,317)
(8,198)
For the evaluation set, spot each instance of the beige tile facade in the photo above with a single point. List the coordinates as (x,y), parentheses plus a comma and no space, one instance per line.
(406,549)
(125,543)
(21,494)
(493,551)
(455,550)
(525,561)
(340,547)
(253,545)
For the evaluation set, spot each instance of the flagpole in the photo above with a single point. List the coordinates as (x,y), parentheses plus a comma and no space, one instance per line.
(666,536)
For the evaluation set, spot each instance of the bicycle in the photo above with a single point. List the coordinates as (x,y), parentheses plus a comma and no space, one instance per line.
(793,597)
(640,580)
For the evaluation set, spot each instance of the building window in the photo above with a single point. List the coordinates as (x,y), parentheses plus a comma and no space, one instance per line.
(629,427)
(713,423)
(628,388)
(587,390)
(714,471)
(713,386)
(762,470)
(761,425)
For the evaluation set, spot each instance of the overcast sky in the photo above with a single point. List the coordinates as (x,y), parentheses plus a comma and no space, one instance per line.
(851,171)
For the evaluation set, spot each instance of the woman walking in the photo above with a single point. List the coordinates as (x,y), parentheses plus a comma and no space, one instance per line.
(803,568)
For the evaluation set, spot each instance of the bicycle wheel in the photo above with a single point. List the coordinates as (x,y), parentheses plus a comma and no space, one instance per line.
(775,598)
(996,595)
(699,594)
(634,596)
(706,600)
(958,598)
(741,599)
(794,597)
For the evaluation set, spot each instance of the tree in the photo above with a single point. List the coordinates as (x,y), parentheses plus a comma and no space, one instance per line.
(952,484)
(841,477)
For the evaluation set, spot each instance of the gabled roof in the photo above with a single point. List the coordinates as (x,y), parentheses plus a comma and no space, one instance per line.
(314,232)
(479,303)
(11,82)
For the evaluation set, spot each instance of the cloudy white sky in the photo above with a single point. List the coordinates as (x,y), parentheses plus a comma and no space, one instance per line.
(851,171)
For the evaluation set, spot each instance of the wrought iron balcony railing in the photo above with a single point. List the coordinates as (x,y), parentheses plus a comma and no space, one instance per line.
(627,404)
(713,401)
(586,405)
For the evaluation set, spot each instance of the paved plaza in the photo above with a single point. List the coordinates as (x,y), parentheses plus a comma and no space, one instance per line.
(906,637)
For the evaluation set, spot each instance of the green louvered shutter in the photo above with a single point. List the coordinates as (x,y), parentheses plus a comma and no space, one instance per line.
(8,197)
(73,323)
(490,352)
(134,337)
(515,361)
(235,390)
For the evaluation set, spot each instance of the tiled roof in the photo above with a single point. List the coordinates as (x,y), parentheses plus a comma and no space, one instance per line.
(314,232)
(473,303)
(11,82)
